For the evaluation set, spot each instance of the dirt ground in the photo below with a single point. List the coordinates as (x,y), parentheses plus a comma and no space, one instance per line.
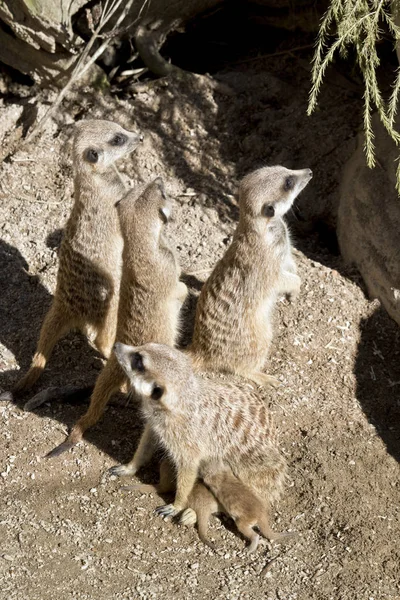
(66,529)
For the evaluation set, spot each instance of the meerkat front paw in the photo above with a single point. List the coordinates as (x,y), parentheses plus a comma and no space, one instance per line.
(188,517)
(122,470)
(167,510)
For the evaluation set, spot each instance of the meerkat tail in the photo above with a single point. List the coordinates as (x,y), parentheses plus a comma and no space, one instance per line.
(265,380)
(146,488)
(69,394)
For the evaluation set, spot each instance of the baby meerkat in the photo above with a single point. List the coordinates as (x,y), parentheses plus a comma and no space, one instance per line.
(90,262)
(241,503)
(151,294)
(197,420)
(202,503)
(233,324)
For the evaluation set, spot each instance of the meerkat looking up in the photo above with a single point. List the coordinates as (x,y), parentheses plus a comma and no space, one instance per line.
(89,269)
(233,324)
(197,420)
(151,294)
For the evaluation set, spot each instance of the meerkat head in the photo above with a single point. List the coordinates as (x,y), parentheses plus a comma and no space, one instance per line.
(270,191)
(156,372)
(149,206)
(99,143)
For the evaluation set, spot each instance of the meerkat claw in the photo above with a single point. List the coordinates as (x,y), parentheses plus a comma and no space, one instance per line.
(167,510)
(121,470)
(60,449)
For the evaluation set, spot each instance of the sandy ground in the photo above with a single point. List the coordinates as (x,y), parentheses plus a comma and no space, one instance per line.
(66,529)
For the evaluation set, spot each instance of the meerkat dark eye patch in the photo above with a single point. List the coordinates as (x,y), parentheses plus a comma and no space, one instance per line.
(91,155)
(268,210)
(119,139)
(289,183)
(157,392)
(137,362)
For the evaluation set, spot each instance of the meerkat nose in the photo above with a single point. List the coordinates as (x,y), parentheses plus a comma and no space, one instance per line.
(310,172)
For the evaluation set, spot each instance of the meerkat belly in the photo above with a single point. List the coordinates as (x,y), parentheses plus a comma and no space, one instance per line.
(88,282)
(232,330)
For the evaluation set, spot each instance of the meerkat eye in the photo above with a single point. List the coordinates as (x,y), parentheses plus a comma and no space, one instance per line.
(157,392)
(91,155)
(119,139)
(289,183)
(268,210)
(137,362)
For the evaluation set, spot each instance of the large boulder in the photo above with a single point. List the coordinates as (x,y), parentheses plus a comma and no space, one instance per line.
(369,220)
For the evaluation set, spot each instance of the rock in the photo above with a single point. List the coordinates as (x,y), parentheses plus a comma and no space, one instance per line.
(369,220)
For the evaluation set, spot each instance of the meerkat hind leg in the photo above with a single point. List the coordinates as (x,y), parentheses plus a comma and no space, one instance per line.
(57,323)
(203,517)
(246,529)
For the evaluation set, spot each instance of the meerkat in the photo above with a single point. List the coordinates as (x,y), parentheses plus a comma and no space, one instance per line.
(198,420)
(202,503)
(90,258)
(233,323)
(221,492)
(241,503)
(151,294)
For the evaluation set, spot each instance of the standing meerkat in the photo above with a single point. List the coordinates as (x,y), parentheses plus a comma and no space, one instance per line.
(89,269)
(233,324)
(198,420)
(151,294)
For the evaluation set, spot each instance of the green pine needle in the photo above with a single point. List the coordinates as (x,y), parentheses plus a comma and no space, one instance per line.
(355,23)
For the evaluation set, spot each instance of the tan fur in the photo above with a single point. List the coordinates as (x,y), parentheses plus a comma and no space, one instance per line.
(89,270)
(233,325)
(202,504)
(199,420)
(151,294)
(241,503)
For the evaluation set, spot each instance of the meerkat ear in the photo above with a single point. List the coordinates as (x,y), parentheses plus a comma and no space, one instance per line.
(289,183)
(92,155)
(137,362)
(268,210)
(165,213)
